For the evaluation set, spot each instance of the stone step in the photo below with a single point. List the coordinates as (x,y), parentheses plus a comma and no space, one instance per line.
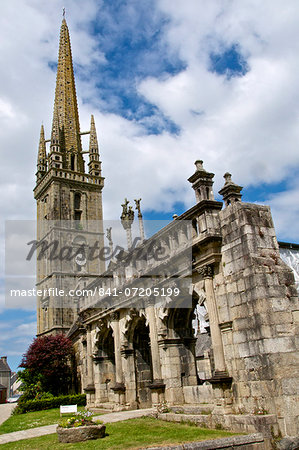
(202,408)
(101,409)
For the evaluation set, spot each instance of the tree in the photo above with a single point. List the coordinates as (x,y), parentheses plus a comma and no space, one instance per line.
(47,362)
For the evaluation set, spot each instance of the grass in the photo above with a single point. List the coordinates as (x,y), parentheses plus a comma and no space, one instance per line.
(32,420)
(129,434)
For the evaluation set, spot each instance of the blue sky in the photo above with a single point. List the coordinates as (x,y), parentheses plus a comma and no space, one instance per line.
(168,82)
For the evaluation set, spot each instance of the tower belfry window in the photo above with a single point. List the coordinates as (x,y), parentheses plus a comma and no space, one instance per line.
(77,208)
(72,162)
(77,201)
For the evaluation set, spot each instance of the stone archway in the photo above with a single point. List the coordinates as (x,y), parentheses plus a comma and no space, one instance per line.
(142,363)
(104,360)
(180,370)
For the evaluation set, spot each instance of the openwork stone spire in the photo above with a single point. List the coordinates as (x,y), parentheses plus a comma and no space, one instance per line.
(94,162)
(93,142)
(55,135)
(66,104)
(42,155)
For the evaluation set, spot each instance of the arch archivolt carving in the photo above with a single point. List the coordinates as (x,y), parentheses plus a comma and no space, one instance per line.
(99,335)
(128,323)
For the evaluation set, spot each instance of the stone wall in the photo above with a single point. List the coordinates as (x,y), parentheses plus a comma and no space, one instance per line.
(256,294)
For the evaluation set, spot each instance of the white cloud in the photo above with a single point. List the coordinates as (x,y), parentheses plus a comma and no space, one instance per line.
(15,338)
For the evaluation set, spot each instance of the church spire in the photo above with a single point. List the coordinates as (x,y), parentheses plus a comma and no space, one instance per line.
(42,155)
(94,162)
(65,105)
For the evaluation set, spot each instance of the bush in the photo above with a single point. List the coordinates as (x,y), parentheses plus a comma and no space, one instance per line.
(48,403)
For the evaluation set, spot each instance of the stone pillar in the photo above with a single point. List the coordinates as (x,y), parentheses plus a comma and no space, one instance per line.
(129,236)
(157,386)
(128,365)
(89,387)
(119,387)
(170,348)
(141,227)
(207,273)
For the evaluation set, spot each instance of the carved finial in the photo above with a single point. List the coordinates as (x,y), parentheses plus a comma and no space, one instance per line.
(228,177)
(202,182)
(127,218)
(137,203)
(63,13)
(127,213)
(199,164)
(230,192)
(125,207)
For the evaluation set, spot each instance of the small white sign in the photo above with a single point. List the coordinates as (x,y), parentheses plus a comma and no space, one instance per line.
(67,409)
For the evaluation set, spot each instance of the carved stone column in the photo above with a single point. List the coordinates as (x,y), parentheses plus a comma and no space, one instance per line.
(119,386)
(89,387)
(150,311)
(207,274)
(89,358)
(157,386)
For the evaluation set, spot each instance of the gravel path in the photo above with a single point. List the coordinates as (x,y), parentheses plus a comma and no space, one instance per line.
(5,411)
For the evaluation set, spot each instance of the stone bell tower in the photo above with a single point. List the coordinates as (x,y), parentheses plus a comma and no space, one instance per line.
(69,202)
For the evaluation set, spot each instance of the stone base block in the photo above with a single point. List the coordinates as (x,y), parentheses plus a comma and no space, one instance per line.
(265,424)
(198,394)
(80,434)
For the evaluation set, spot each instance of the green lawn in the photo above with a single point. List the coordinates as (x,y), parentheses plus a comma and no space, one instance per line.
(129,434)
(32,420)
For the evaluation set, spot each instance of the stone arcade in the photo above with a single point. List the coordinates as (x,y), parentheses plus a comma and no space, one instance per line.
(135,352)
